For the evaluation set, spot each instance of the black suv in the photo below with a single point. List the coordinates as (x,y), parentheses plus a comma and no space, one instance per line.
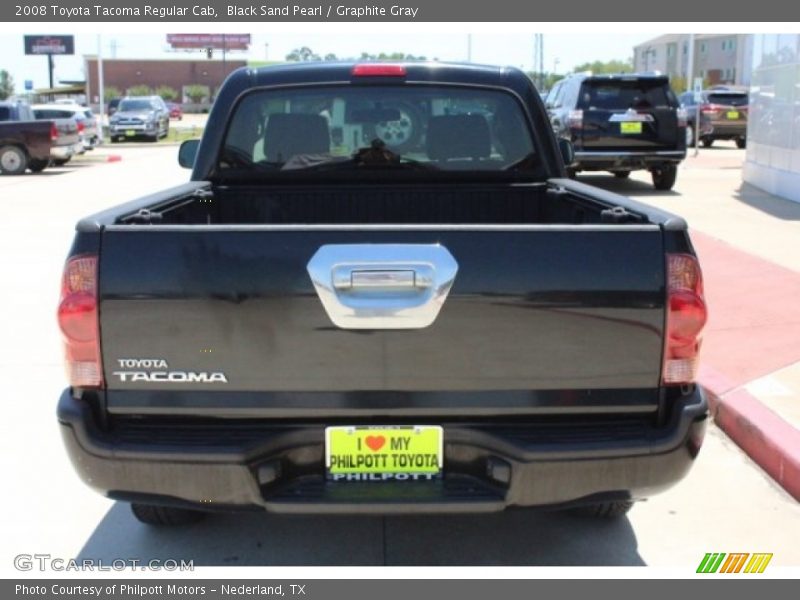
(722,115)
(619,123)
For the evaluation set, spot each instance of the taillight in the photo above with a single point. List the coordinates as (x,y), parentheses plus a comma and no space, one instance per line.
(686,317)
(53,132)
(78,318)
(710,109)
(378,70)
(81,127)
(575,119)
(683,117)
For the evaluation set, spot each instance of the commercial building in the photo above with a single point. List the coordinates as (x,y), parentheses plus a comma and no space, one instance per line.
(773,131)
(180,75)
(718,58)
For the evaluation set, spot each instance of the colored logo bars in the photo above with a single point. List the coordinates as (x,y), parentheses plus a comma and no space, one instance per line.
(719,562)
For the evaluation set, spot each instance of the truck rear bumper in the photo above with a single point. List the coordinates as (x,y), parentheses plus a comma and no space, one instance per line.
(486,467)
(611,161)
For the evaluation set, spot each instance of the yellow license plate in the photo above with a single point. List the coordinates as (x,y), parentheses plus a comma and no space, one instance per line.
(387,450)
(733,114)
(630,127)
(130,133)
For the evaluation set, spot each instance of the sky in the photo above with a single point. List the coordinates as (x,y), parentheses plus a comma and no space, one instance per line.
(562,51)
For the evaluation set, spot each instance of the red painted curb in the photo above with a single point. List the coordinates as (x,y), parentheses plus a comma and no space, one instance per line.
(766,438)
(113,158)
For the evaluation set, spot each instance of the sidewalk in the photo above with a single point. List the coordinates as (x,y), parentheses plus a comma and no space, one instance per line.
(751,356)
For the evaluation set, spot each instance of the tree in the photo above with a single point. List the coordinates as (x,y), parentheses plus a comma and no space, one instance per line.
(110,92)
(304,54)
(139,90)
(390,56)
(6,85)
(169,94)
(611,66)
(196,92)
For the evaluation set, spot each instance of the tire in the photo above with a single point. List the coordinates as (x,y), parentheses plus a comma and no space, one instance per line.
(60,162)
(664,178)
(622,174)
(13,160)
(404,134)
(168,516)
(689,136)
(741,143)
(707,142)
(605,510)
(37,166)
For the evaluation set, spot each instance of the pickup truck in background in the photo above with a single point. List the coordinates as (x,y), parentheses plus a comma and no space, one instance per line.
(27,143)
(379,293)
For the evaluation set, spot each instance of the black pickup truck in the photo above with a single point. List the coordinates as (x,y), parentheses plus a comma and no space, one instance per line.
(379,293)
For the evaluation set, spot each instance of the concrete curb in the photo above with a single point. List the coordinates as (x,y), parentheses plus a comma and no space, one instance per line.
(766,438)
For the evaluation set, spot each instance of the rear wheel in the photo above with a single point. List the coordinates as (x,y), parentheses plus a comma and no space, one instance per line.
(689,136)
(622,174)
(741,143)
(664,177)
(707,142)
(606,510)
(165,515)
(13,160)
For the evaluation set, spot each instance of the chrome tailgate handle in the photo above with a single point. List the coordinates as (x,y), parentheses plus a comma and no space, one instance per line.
(382,286)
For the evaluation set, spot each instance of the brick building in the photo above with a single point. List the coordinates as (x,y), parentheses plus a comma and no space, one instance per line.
(124,74)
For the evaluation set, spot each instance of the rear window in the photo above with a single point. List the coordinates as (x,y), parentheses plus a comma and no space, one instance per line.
(48,113)
(411,127)
(5,113)
(622,95)
(728,99)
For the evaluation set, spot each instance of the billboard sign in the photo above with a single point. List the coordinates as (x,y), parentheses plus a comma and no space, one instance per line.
(49,44)
(199,41)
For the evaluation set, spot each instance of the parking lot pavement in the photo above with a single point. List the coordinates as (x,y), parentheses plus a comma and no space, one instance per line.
(726,503)
(747,241)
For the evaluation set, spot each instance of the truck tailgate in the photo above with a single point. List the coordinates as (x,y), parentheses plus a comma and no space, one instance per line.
(539,318)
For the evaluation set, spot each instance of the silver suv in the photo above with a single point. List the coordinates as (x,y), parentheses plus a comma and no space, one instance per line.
(139,116)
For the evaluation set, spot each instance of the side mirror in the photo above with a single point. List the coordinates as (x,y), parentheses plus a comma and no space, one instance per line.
(567,151)
(187,153)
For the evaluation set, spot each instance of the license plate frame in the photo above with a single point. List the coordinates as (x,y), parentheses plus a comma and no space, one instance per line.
(130,132)
(732,115)
(407,450)
(630,127)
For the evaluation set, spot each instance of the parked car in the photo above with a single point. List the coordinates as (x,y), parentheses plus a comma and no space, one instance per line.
(621,123)
(320,322)
(175,111)
(723,116)
(139,116)
(88,125)
(27,143)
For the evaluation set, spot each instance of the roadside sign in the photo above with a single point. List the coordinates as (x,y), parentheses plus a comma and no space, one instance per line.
(49,44)
(28,85)
(697,88)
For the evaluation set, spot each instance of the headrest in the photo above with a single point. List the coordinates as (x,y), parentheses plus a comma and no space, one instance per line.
(458,136)
(289,134)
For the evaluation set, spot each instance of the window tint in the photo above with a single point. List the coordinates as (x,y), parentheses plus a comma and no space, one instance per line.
(5,113)
(446,127)
(620,95)
(134,105)
(728,99)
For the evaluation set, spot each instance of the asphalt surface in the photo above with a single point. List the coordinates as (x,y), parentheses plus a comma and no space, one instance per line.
(726,504)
